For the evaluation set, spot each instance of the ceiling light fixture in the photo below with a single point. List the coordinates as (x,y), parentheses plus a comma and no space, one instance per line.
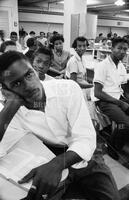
(119,3)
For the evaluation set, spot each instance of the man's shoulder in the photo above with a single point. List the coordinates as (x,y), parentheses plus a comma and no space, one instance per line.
(72,60)
(103,65)
(60,86)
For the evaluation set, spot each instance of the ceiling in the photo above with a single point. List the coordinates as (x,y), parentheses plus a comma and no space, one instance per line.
(107,7)
(103,8)
(34,2)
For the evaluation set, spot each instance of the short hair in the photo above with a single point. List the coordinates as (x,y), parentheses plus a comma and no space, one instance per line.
(81,39)
(44,50)
(100,34)
(5,44)
(41,32)
(32,32)
(104,39)
(8,58)
(30,42)
(56,37)
(13,33)
(119,40)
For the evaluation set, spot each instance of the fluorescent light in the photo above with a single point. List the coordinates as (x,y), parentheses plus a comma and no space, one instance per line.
(119,3)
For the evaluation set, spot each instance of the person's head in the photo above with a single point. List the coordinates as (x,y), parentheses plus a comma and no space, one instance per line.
(13,36)
(32,43)
(80,45)
(42,34)
(55,33)
(101,34)
(115,35)
(8,45)
(57,42)
(109,36)
(32,34)
(119,48)
(104,41)
(18,76)
(42,61)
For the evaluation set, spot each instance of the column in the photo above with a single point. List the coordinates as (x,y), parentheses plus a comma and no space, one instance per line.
(91,26)
(11,8)
(74,20)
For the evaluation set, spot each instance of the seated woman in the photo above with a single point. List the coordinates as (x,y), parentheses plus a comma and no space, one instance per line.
(42,62)
(60,56)
(75,69)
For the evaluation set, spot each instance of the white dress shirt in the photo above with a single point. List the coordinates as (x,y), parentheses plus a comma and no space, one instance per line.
(66,121)
(111,77)
(76,65)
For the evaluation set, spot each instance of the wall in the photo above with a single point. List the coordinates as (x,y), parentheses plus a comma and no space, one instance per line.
(37,22)
(10,6)
(91,26)
(115,26)
(41,22)
(39,26)
(113,23)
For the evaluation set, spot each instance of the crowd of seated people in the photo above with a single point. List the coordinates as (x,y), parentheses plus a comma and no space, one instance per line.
(56,111)
(110,75)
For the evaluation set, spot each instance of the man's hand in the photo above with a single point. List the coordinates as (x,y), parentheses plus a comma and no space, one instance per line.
(11,97)
(124,106)
(45,180)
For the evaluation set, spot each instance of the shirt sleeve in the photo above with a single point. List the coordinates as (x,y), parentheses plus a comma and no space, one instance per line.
(124,75)
(72,66)
(100,74)
(83,135)
(13,134)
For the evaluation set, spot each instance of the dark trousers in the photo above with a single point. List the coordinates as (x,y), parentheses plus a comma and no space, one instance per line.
(114,112)
(94,182)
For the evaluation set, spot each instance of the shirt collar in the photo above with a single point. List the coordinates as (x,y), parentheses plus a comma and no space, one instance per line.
(49,92)
(48,88)
(111,61)
(77,56)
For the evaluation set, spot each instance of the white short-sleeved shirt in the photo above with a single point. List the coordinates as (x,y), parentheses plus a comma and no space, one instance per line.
(76,65)
(111,77)
(66,121)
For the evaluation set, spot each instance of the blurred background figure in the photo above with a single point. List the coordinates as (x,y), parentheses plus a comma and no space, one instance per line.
(42,38)
(32,46)
(60,56)
(8,45)
(30,35)
(99,38)
(14,38)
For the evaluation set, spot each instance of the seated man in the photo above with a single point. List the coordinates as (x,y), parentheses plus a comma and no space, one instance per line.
(32,45)
(55,111)
(14,38)
(110,75)
(42,61)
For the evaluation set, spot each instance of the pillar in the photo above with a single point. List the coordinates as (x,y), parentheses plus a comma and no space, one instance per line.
(74,20)
(10,7)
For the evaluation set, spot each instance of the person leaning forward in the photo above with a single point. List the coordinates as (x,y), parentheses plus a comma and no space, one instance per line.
(56,111)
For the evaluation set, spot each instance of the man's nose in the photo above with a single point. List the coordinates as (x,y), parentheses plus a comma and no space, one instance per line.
(28,85)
